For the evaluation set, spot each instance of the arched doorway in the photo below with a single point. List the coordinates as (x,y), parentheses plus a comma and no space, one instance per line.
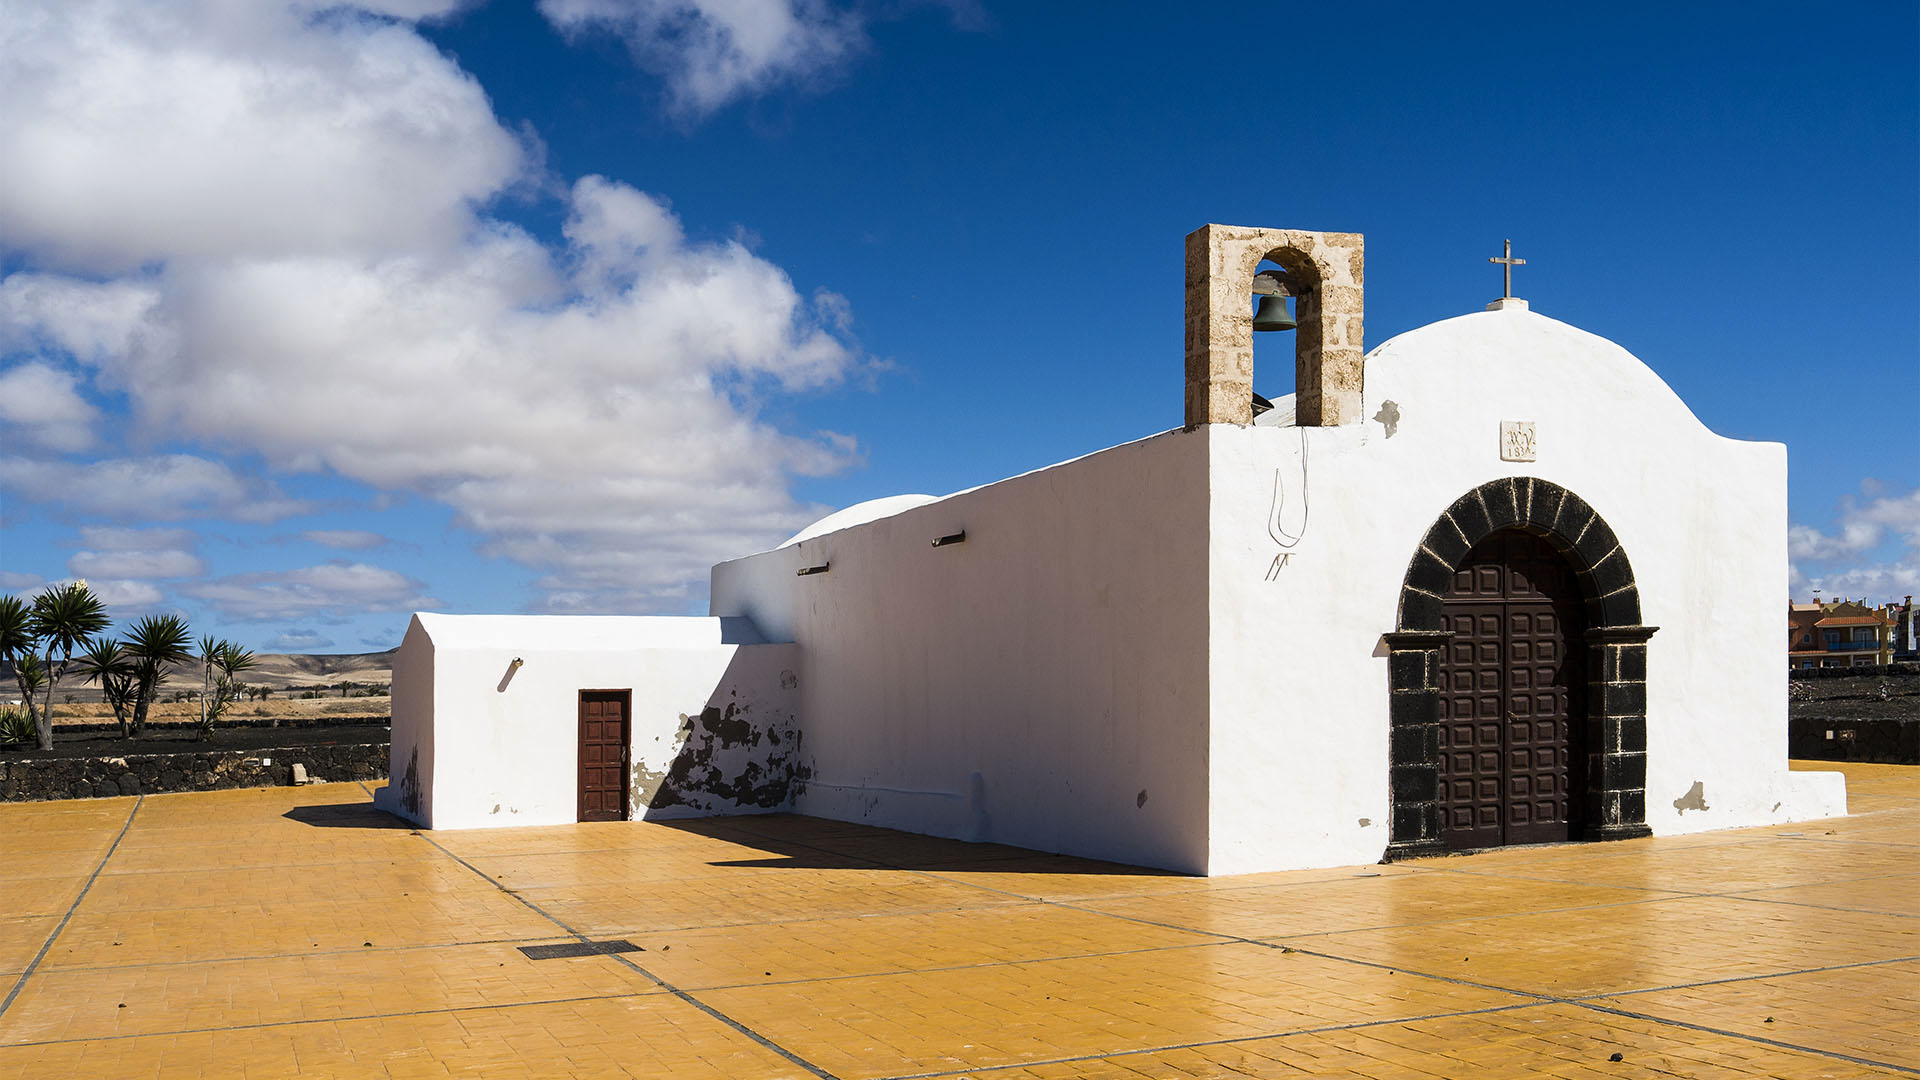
(1526,548)
(1513,696)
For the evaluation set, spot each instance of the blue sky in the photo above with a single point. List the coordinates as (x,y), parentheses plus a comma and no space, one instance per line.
(316,314)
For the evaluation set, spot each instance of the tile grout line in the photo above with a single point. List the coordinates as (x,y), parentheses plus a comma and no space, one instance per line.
(670,988)
(1816,1051)
(1820,907)
(310,1020)
(1539,997)
(1585,1001)
(1681,894)
(1585,998)
(1327,1029)
(663,988)
(51,938)
(257,957)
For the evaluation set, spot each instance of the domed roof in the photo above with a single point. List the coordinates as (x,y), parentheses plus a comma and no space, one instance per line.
(860,514)
(1281,415)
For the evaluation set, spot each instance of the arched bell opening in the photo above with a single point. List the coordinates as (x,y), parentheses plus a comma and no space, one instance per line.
(1278,294)
(1287,295)
(1505,557)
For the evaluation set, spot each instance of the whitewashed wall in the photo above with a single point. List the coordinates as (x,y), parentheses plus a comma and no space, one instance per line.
(1299,684)
(410,763)
(1042,684)
(492,745)
(1196,618)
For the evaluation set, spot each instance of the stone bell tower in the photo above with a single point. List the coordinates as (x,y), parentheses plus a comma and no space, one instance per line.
(1323,272)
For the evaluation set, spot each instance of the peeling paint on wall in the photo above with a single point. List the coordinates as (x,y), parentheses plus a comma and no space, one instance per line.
(410,783)
(726,757)
(1694,799)
(1389,417)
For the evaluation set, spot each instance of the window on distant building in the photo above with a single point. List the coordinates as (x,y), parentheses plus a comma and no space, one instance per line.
(1832,637)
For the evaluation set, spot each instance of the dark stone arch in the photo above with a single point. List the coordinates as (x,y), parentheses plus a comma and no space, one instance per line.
(1615,799)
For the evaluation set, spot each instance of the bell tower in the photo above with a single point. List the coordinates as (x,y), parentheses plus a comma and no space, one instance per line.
(1323,272)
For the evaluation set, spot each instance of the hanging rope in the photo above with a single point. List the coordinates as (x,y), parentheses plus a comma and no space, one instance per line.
(1276,530)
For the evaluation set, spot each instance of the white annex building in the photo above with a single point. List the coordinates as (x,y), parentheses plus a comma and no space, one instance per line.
(1491,583)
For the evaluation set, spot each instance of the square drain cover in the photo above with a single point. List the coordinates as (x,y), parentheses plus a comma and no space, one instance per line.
(578,948)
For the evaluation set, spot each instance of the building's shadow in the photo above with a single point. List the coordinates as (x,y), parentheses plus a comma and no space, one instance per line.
(345,816)
(795,842)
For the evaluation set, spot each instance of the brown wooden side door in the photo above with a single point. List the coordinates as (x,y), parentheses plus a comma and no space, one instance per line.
(606,727)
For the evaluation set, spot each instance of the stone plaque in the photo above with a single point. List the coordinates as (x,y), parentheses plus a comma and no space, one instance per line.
(1516,440)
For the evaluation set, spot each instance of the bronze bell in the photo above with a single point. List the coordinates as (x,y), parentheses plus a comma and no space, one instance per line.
(1272,314)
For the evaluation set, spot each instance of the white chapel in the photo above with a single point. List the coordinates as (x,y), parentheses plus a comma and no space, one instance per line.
(1490,583)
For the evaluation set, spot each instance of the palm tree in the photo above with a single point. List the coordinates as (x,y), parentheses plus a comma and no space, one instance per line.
(16,647)
(209,659)
(63,618)
(106,663)
(221,661)
(152,644)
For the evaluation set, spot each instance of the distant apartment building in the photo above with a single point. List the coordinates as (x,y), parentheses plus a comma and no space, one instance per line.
(1842,633)
(1906,637)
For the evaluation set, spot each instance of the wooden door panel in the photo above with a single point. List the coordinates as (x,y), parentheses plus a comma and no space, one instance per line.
(1511,698)
(604,731)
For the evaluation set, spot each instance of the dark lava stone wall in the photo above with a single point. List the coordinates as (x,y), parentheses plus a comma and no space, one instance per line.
(1855,714)
(1884,741)
(149,774)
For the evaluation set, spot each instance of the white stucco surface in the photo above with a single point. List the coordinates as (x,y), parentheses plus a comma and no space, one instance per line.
(1299,733)
(1042,684)
(1027,686)
(493,743)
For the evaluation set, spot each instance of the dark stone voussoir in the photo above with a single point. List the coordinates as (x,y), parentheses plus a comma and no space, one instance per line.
(1503,504)
(1469,514)
(1446,543)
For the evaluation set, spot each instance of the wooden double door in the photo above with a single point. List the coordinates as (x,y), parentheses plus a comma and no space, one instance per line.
(606,728)
(1512,705)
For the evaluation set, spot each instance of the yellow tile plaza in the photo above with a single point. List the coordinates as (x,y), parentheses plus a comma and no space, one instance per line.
(297,931)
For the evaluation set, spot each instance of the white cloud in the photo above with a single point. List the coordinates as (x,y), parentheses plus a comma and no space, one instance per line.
(316,286)
(138,131)
(1807,542)
(344,539)
(84,318)
(299,641)
(1877,582)
(42,404)
(711,52)
(163,487)
(135,564)
(124,598)
(1872,552)
(108,538)
(337,588)
(574,407)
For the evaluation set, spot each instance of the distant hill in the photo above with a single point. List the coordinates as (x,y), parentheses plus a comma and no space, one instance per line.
(300,671)
(319,669)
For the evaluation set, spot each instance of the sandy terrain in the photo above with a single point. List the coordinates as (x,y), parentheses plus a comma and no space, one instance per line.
(286,674)
(94,712)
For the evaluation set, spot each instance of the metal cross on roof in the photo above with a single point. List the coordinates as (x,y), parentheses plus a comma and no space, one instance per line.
(1510,262)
